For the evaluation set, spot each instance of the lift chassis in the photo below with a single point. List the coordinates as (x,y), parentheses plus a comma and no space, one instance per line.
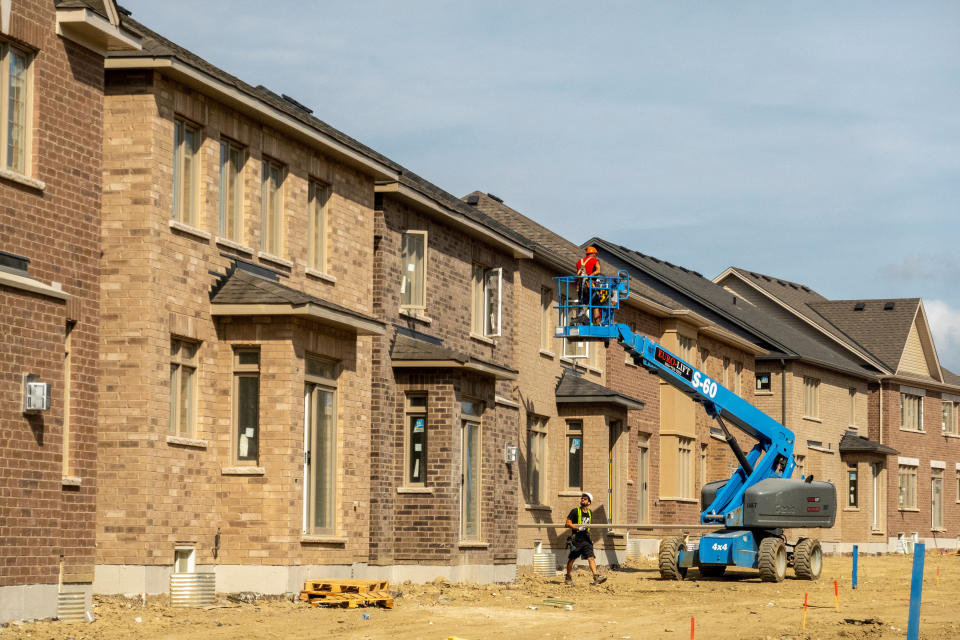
(751,508)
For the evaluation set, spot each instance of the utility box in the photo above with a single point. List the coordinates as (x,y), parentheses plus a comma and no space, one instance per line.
(36,395)
(779,502)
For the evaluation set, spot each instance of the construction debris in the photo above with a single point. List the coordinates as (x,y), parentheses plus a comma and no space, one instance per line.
(347,593)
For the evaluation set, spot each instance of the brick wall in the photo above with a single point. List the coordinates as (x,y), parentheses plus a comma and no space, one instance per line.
(44,520)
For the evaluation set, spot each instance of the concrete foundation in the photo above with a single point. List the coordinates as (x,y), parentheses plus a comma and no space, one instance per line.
(33,601)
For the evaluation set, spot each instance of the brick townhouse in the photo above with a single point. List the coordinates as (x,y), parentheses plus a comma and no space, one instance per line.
(901,453)
(445,414)
(798,379)
(51,71)
(575,433)
(238,317)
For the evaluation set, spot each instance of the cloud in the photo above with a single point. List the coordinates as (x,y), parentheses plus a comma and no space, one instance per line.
(933,267)
(945,325)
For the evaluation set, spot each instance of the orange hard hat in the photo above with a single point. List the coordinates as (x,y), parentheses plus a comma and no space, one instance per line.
(591,249)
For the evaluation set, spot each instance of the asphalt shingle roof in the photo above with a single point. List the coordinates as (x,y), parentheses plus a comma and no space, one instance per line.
(853,443)
(410,348)
(881,332)
(574,388)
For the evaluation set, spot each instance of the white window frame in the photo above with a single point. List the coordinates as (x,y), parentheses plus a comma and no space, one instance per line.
(537,457)
(320,377)
(185,203)
(318,224)
(419,277)
(233,158)
(272,178)
(414,411)
(948,422)
(184,554)
(471,516)
(573,438)
(936,506)
(546,319)
(23,161)
(907,415)
(486,283)
(179,366)
(245,370)
(907,487)
(685,467)
(811,397)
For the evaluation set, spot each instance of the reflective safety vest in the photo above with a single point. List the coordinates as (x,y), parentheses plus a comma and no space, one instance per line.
(580,517)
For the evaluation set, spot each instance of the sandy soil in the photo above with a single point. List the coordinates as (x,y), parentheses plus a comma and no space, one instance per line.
(634,603)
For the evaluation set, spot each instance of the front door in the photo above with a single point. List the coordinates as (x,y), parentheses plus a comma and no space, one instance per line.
(319,459)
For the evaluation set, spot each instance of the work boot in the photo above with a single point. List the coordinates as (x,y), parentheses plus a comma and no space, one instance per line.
(568,579)
(599,579)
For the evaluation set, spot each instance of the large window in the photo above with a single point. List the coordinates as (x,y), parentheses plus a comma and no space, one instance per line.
(685,467)
(186,171)
(470,414)
(936,499)
(907,480)
(486,286)
(413,253)
(738,378)
(949,422)
(574,454)
(183,373)
(811,398)
(799,463)
(911,412)
(15,135)
(271,207)
(317,222)
(546,319)
(852,486)
(686,349)
(536,459)
(320,446)
(229,212)
(246,405)
(415,414)
(852,393)
(67,398)
(763,382)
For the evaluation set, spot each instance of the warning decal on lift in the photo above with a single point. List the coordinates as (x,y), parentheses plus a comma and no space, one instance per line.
(680,368)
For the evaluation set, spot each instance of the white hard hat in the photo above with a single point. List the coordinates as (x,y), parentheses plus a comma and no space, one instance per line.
(589,495)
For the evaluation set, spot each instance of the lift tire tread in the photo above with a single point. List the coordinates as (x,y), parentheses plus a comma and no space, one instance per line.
(767,561)
(805,565)
(669,558)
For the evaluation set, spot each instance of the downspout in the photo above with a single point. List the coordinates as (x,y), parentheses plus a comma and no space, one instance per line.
(783,392)
(881,412)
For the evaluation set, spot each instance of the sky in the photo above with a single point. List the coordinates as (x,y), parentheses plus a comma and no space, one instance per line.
(817,142)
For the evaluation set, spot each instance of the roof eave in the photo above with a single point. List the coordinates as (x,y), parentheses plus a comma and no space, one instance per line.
(330,317)
(621,401)
(173,68)
(500,373)
(94,32)
(428,205)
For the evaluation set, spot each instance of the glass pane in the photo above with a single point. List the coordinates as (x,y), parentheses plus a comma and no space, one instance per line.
(471,480)
(417,401)
(411,284)
(188,350)
(174,348)
(186,400)
(491,288)
(325,457)
(478,301)
(222,223)
(418,449)
(17,112)
(533,467)
(189,186)
(173,398)
(321,368)
(574,461)
(470,407)
(248,406)
(177,159)
(248,357)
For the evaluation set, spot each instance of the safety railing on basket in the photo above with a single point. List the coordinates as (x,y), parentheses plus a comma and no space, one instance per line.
(590,300)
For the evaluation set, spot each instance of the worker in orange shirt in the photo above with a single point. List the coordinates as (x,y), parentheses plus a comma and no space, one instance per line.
(587,266)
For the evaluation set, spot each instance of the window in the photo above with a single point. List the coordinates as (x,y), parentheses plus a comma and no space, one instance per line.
(536,459)
(317,222)
(183,374)
(574,454)
(763,381)
(546,319)
(183,560)
(958,485)
(852,485)
(738,378)
(412,255)
(852,393)
(703,464)
(799,462)
(936,499)
(685,467)
(949,422)
(416,421)
(229,217)
(685,348)
(15,134)
(596,356)
(67,400)
(486,300)
(811,397)
(911,412)
(186,155)
(246,404)
(576,349)
(470,413)
(271,207)
(320,446)
(907,482)
(726,373)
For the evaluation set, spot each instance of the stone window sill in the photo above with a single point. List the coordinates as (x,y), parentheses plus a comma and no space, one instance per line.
(321,275)
(947,434)
(537,507)
(616,533)
(820,449)
(506,402)
(70,481)
(269,257)
(480,338)
(416,314)
(852,509)
(233,244)
(813,419)
(473,544)
(243,471)
(189,230)
(912,430)
(187,442)
(570,493)
(763,393)
(685,500)
(548,354)
(878,532)
(26,283)
(308,539)
(422,490)
(909,510)
(19,178)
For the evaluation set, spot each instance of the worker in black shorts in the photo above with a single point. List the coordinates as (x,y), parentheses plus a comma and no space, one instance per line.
(581,546)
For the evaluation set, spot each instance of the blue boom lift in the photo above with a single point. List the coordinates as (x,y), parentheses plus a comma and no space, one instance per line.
(759,500)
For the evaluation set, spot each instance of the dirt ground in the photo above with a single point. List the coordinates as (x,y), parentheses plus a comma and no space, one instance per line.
(633,603)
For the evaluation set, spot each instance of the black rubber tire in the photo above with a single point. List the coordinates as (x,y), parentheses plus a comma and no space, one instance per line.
(669,558)
(712,570)
(772,560)
(808,559)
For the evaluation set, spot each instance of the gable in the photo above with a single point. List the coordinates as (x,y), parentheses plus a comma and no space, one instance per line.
(919,356)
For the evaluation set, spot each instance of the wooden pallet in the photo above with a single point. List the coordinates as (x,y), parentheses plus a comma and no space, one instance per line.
(347,593)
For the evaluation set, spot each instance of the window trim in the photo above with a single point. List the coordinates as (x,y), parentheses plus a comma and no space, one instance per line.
(546,323)
(318,214)
(276,245)
(177,364)
(571,432)
(811,385)
(27,158)
(324,384)
(853,486)
(192,219)
(409,412)
(242,371)
(476,420)
(237,214)
(936,520)
(420,305)
(907,504)
(537,427)
(919,428)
